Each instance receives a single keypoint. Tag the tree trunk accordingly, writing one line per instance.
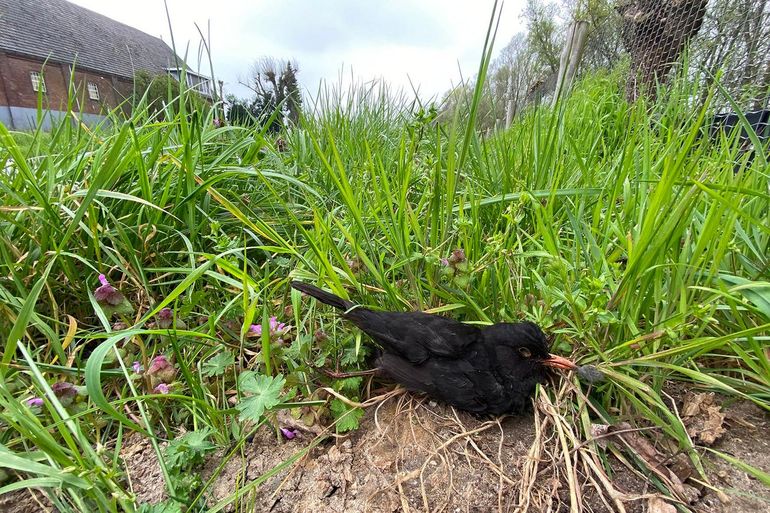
(509, 105)
(654, 33)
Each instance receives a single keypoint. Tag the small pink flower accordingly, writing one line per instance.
(108, 294)
(159, 363)
(35, 402)
(458, 256)
(289, 433)
(162, 388)
(166, 320)
(277, 330)
(64, 389)
(65, 392)
(138, 367)
(165, 314)
(161, 370)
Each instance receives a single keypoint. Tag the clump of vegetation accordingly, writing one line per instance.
(154, 90)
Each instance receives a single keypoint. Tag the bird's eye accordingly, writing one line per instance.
(526, 353)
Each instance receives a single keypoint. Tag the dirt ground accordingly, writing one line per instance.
(413, 455)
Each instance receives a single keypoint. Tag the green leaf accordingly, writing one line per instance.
(26, 484)
(167, 506)
(264, 393)
(758, 474)
(22, 463)
(124, 197)
(189, 449)
(122, 308)
(540, 194)
(347, 418)
(757, 292)
(27, 310)
(348, 385)
(217, 364)
(93, 377)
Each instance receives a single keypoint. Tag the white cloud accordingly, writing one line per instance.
(428, 41)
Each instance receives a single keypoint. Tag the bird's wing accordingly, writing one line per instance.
(439, 379)
(416, 336)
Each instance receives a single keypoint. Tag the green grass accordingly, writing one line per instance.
(618, 228)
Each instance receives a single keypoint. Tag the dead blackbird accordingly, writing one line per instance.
(490, 370)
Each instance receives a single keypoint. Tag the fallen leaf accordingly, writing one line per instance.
(682, 466)
(702, 417)
(658, 505)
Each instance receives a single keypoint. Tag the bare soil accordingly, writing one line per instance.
(411, 455)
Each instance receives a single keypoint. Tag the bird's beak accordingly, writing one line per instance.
(559, 362)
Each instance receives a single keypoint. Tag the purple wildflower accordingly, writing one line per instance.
(162, 388)
(63, 389)
(217, 123)
(161, 370)
(138, 367)
(289, 433)
(457, 257)
(158, 363)
(277, 330)
(165, 317)
(65, 392)
(255, 330)
(108, 294)
(277, 327)
(166, 320)
(455, 266)
(35, 402)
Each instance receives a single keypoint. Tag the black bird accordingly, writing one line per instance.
(490, 370)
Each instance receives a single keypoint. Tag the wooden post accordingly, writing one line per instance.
(509, 101)
(570, 58)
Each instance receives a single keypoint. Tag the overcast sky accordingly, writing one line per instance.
(427, 41)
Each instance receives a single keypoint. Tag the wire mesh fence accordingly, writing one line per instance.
(724, 40)
(735, 39)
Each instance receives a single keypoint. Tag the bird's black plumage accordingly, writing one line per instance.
(490, 370)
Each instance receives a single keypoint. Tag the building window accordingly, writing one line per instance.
(205, 87)
(93, 91)
(38, 83)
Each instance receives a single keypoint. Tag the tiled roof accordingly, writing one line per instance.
(64, 32)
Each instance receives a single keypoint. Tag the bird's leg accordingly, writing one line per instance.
(343, 375)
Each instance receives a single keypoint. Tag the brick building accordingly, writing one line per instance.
(65, 54)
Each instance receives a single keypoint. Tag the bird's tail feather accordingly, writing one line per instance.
(322, 295)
